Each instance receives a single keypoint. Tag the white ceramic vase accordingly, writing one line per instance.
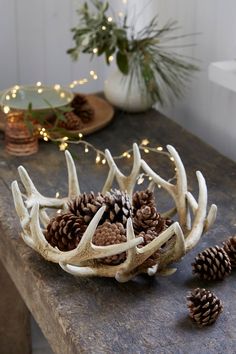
(125, 94)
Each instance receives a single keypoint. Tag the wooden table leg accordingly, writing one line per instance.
(14, 318)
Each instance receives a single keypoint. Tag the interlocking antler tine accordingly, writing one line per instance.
(200, 215)
(21, 210)
(211, 217)
(181, 185)
(35, 196)
(126, 183)
(73, 183)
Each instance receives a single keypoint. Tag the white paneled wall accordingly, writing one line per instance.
(207, 109)
(34, 37)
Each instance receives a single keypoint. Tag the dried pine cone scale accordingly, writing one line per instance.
(110, 234)
(65, 231)
(143, 198)
(204, 306)
(230, 248)
(212, 264)
(82, 108)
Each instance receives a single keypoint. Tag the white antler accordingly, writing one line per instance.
(86, 258)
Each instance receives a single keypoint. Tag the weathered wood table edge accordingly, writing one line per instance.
(47, 291)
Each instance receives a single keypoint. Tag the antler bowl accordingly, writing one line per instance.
(180, 237)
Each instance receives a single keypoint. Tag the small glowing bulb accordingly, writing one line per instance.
(13, 95)
(40, 90)
(81, 82)
(125, 154)
(43, 129)
(128, 156)
(159, 186)
(146, 150)
(17, 87)
(45, 138)
(109, 19)
(95, 50)
(159, 148)
(13, 91)
(59, 211)
(124, 1)
(57, 195)
(39, 83)
(62, 94)
(72, 85)
(120, 14)
(65, 138)
(110, 58)
(92, 72)
(140, 180)
(104, 28)
(6, 109)
(95, 77)
(145, 142)
(80, 135)
(172, 159)
(63, 146)
(8, 97)
(85, 81)
(104, 161)
(150, 178)
(98, 158)
(86, 149)
(75, 82)
(57, 87)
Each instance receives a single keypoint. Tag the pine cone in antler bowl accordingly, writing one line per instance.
(115, 233)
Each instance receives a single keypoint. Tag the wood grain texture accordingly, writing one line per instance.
(146, 315)
(14, 319)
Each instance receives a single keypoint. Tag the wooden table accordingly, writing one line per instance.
(146, 315)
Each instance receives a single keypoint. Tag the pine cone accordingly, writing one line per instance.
(118, 207)
(110, 234)
(204, 306)
(82, 108)
(72, 122)
(212, 264)
(149, 236)
(143, 198)
(230, 249)
(147, 218)
(65, 231)
(86, 205)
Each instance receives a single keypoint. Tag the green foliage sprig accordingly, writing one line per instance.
(147, 54)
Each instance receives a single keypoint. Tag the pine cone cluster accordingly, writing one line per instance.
(204, 306)
(82, 108)
(65, 231)
(212, 264)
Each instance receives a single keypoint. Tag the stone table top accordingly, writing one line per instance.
(101, 316)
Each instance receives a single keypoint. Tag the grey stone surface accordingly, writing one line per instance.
(146, 315)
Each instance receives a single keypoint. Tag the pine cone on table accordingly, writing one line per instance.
(230, 248)
(147, 218)
(143, 198)
(118, 207)
(71, 122)
(204, 306)
(86, 205)
(65, 231)
(212, 264)
(110, 234)
(82, 108)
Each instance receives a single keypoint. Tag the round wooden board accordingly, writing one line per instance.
(103, 115)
